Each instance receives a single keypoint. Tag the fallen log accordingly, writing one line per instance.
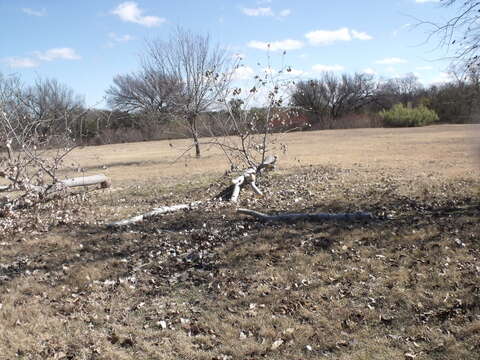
(154, 212)
(100, 179)
(87, 181)
(45, 193)
(292, 217)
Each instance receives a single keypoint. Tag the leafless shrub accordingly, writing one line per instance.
(35, 131)
(249, 121)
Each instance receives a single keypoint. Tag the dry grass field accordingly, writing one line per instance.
(448, 149)
(213, 284)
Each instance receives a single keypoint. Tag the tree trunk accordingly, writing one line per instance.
(192, 121)
(197, 144)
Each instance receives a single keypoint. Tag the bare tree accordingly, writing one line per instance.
(52, 105)
(403, 90)
(201, 69)
(331, 97)
(460, 32)
(35, 137)
(147, 91)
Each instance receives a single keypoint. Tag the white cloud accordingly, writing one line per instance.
(57, 53)
(243, 73)
(49, 55)
(424, 67)
(391, 61)
(20, 62)
(120, 38)
(323, 68)
(261, 11)
(442, 78)
(369, 71)
(115, 38)
(361, 35)
(327, 37)
(265, 11)
(33, 12)
(130, 12)
(287, 44)
(295, 72)
(425, 1)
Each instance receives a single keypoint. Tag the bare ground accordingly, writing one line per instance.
(211, 284)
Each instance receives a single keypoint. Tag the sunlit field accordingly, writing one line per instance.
(210, 283)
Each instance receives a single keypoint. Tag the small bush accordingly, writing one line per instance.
(400, 115)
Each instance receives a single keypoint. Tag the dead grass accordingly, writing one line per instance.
(453, 149)
(215, 285)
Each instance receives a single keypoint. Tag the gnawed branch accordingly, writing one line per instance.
(248, 177)
(154, 212)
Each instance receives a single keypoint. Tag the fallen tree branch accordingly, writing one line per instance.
(292, 217)
(86, 181)
(154, 212)
(40, 194)
(249, 177)
(231, 193)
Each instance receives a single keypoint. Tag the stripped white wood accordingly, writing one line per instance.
(236, 189)
(85, 180)
(255, 188)
(154, 212)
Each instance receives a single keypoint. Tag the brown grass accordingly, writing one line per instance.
(212, 284)
(449, 148)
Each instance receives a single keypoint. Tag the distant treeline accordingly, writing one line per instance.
(330, 101)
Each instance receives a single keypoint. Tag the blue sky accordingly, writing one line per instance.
(86, 43)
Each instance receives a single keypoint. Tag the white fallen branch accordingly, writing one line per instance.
(249, 177)
(255, 188)
(292, 217)
(87, 181)
(39, 194)
(100, 179)
(154, 212)
(237, 183)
